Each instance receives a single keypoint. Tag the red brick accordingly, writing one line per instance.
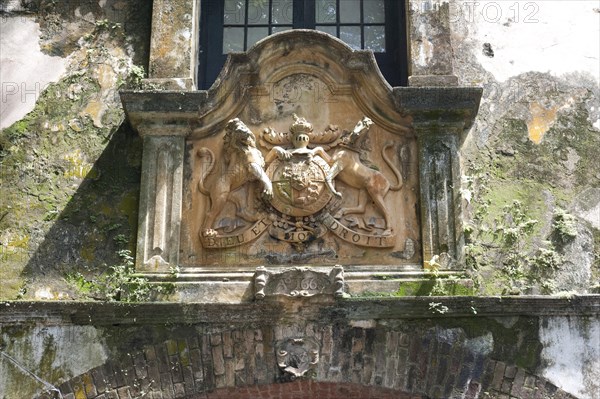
(124, 393)
(99, 380)
(510, 371)
(112, 395)
(179, 390)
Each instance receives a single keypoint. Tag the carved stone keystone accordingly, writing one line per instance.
(297, 356)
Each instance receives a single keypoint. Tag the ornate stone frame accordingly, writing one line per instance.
(438, 113)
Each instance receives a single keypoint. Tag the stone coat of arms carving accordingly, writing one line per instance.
(286, 186)
(233, 182)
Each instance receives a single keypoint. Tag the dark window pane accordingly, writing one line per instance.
(235, 12)
(325, 11)
(375, 38)
(255, 34)
(351, 35)
(332, 30)
(277, 29)
(350, 11)
(373, 12)
(235, 25)
(283, 12)
(233, 40)
(258, 12)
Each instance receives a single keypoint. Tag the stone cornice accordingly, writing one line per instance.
(388, 309)
(451, 108)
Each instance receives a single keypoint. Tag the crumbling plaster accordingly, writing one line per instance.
(538, 63)
(571, 354)
(56, 352)
(26, 70)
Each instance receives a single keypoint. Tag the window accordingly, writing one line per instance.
(236, 25)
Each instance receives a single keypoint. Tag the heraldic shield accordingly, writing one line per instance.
(299, 185)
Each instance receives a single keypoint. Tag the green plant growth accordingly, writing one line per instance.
(444, 285)
(119, 284)
(501, 242)
(135, 77)
(512, 228)
(501, 251)
(564, 225)
(434, 283)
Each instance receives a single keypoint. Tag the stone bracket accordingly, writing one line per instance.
(298, 282)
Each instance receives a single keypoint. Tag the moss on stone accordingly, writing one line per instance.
(541, 176)
(59, 166)
(425, 287)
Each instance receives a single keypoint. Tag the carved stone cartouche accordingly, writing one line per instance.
(298, 282)
(297, 356)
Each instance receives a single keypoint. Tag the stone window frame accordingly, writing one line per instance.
(175, 42)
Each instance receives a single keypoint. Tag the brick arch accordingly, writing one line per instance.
(425, 364)
(307, 389)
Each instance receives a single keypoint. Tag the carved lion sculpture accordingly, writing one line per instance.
(349, 169)
(241, 163)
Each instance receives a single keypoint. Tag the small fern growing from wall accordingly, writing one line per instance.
(119, 283)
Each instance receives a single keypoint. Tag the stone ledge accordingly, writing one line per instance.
(103, 313)
(186, 84)
(245, 274)
(432, 80)
(205, 285)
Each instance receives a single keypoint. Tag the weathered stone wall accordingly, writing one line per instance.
(70, 172)
(70, 167)
(458, 348)
(533, 141)
(69, 164)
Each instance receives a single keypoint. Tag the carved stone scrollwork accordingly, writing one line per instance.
(298, 282)
(297, 356)
(260, 282)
